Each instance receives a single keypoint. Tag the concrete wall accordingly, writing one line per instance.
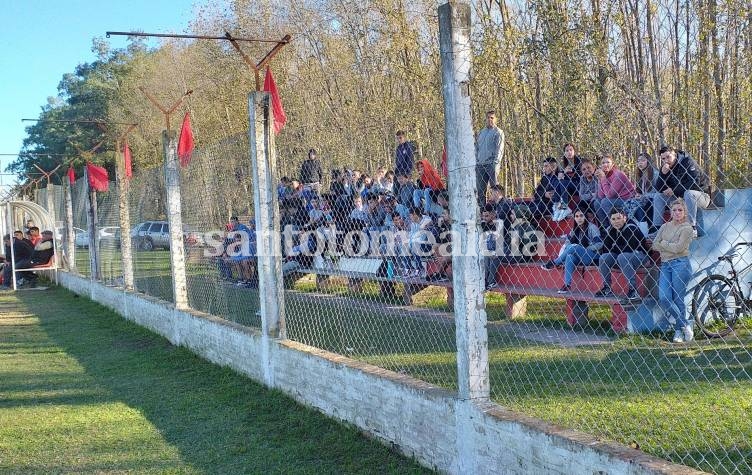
(420, 420)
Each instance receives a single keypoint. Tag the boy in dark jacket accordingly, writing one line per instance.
(623, 248)
(680, 177)
(310, 171)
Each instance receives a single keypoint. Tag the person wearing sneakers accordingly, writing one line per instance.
(580, 249)
(672, 241)
(623, 248)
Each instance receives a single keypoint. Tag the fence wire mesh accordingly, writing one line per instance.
(366, 267)
(216, 187)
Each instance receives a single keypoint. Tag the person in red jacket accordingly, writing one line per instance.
(428, 181)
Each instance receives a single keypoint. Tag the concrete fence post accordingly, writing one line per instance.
(50, 198)
(175, 219)
(70, 234)
(92, 224)
(123, 187)
(467, 261)
(268, 236)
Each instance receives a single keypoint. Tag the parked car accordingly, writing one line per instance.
(150, 235)
(109, 236)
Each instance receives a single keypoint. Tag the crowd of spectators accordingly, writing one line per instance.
(30, 249)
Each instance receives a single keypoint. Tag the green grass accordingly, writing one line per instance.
(689, 404)
(82, 390)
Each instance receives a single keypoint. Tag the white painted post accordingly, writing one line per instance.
(50, 195)
(70, 234)
(175, 219)
(467, 262)
(123, 186)
(92, 225)
(268, 236)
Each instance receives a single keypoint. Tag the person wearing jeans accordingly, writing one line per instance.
(581, 248)
(672, 241)
(614, 189)
(489, 148)
(622, 247)
(680, 177)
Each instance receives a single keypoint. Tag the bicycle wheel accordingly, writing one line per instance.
(716, 306)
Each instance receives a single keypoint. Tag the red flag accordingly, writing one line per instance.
(127, 160)
(71, 175)
(98, 179)
(185, 142)
(279, 112)
(444, 166)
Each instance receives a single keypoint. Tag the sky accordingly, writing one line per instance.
(40, 40)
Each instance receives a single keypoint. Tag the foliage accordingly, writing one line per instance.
(600, 73)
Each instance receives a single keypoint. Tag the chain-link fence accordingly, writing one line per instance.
(585, 327)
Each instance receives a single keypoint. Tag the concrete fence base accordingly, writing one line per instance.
(420, 420)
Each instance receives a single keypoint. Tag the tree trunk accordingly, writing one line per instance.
(654, 71)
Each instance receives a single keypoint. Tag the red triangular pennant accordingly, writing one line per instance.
(98, 179)
(185, 142)
(71, 175)
(127, 160)
(279, 112)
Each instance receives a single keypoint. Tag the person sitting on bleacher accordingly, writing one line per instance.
(520, 244)
(680, 177)
(502, 205)
(442, 250)
(545, 193)
(623, 247)
(419, 228)
(572, 160)
(588, 188)
(614, 189)
(580, 249)
(41, 255)
(428, 183)
(646, 178)
(405, 194)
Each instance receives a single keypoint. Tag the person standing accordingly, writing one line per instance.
(310, 172)
(489, 148)
(404, 157)
(672, 241)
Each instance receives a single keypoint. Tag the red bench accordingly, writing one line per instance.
(516, 282)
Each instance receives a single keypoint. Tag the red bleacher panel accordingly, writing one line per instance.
(557, 229)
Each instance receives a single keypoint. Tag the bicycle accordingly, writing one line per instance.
(718, 302)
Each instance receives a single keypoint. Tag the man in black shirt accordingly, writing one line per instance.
(310, 172)
(623, 248)
(680, 177)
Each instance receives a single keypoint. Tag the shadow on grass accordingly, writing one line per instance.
(219, 421)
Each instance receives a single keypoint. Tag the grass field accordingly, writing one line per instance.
(690, 404)
(84, 391)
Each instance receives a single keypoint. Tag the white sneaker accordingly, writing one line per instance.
(689, 334)
(679, 336)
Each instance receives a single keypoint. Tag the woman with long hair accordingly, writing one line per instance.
(581, 248)
(645, 178)
(672, 241)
